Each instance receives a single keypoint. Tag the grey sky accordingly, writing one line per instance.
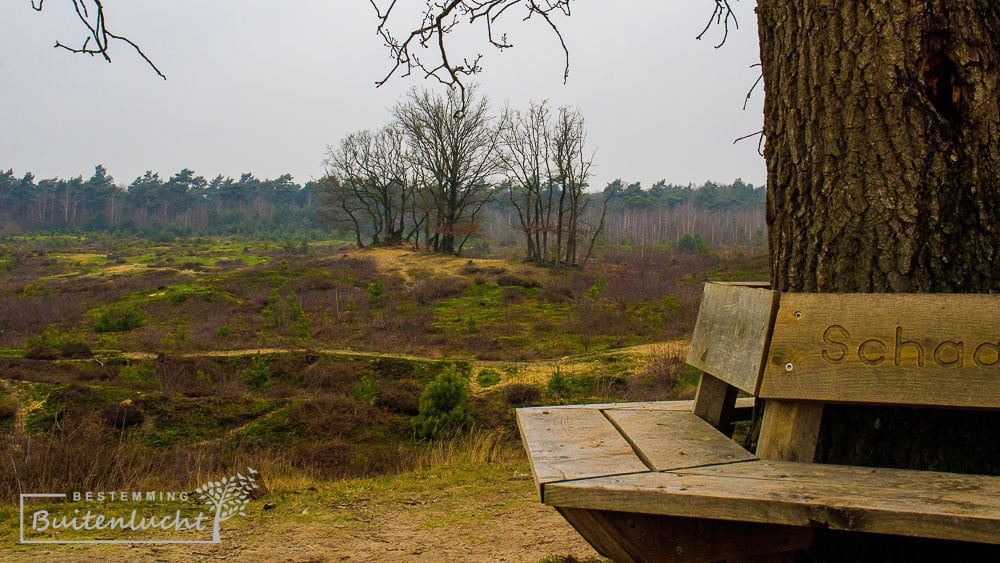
(266, 86)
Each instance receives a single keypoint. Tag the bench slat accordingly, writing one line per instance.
(889, 501)
(898, 349)
(730, 337)
(565, 444)
(681, 405)
(673, 439)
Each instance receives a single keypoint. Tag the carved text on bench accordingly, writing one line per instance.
(841, 346)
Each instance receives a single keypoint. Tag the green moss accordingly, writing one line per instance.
(46, 403)
(187, 420)
(276, 427)
(488, 378)
(515, 315)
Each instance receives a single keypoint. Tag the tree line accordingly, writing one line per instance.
(280, 208)
(443, 171)
(710, 215)
(184, 203)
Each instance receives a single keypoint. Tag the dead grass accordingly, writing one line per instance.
(179, 406)
(457, 511)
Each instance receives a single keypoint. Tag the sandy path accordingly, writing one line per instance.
(461, 514)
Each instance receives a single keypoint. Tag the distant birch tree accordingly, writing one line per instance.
(544, 157)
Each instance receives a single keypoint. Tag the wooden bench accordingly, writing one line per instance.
(664, 481)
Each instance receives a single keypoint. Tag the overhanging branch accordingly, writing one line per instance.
(98, 38)
(425, 48)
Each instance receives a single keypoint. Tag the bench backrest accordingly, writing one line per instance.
(891, 349)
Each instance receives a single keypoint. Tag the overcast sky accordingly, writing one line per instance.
(264, 87)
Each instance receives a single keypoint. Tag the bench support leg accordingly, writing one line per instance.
(789, 431)
(715, 403)
(625, 537)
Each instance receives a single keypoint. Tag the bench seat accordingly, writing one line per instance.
(660, 459)
(664, 482)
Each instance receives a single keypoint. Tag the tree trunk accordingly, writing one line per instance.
(882, 123)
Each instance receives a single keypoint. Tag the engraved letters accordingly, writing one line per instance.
(903, 349)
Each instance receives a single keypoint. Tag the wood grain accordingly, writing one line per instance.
(627, 537)
(790, 431)
(683, 405)
(599, 533)
(671, 440)
(901, 349)
(885, 501)
(564, 444)
(732, 332)
(715, 403)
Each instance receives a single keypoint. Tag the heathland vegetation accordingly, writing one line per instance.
(382, 320)
(140, 364)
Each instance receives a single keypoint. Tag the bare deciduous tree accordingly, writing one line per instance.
(455, 143)
(339, 208)
(547, 169)
(375, 178)
(527, 164)
(572, 167)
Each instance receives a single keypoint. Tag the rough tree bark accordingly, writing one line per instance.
(883, 172)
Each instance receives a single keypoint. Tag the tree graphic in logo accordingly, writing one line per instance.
(228, 497)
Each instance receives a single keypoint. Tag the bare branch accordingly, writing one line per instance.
(439, 19)
(721, 15)
(99, 37)
(760, 78)
(760, 141)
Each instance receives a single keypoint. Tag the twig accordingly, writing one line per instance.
(721, 15)
(760, 78)
(97, 31)
(760, 142)
(439, 19)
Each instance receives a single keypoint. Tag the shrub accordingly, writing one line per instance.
(123, 414)
(142, 374)
(514, 280)
(76, 350)
(522, 394)
(377, 295)
(691, 244)
(512, 296)
(438, 287)
(558, 386)
(8, 408)
(442, 406)
(40, 352)
(165, 236)
(118, 320)
(366, 391)
(286, 316)
(258, 375)
(488, 378)
(401, 397)
(50, 337)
